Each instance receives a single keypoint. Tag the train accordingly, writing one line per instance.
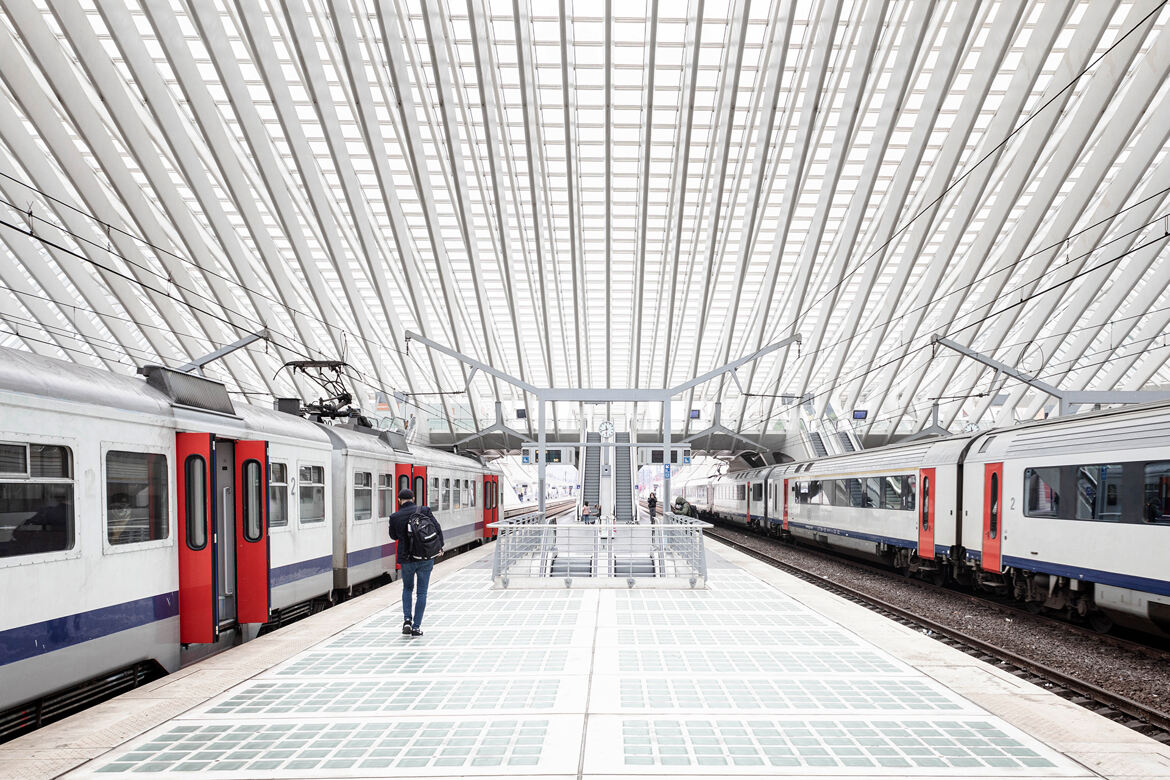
(148, 522)
(1068, 514)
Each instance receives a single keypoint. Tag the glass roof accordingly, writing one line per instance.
(585, 194)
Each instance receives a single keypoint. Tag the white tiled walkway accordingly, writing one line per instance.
(740, 679)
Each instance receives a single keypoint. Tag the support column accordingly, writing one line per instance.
(666, 468)
(542, 451)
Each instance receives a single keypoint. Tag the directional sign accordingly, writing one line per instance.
(525, 459)
(666, 471)
(686, 459)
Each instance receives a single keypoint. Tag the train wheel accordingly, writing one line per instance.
(1100, 622)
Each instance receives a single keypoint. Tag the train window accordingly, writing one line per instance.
(872, 496)
(253, 497)
(404, 483)
(195, 500)
(363, 495)
(445, 504)
(925, 503)
(420, 489)
(474, 489)
(433, 502)
(1042, 492)
(909, 492)
(457, 494)
(36, 499)
(758, 491)
(386, 494)
(893, 492)
(277, 495)
(993, 509)
(136, 497)
(1156, 503)
(856, 490)
(1098, 493)
(312, 490)
(14, 460)
(741, 492)
(816, 492)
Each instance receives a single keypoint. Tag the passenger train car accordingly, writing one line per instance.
(152, 522)
(1072, 514)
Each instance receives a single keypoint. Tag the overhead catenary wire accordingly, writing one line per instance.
(978, 163)
(838, 382)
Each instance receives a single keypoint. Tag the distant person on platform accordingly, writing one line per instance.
(416, 555)
(652, 502)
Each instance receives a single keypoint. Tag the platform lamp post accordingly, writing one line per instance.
(546, 395)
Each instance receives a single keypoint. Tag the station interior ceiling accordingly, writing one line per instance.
(597, 195)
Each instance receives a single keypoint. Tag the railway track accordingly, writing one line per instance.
(1135, 715)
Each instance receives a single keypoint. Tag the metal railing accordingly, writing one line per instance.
(531, 552)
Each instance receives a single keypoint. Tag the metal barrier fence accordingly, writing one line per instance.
(531, 552)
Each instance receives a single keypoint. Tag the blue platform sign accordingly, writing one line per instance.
(666, 471)
(686, 460)
(524, 459)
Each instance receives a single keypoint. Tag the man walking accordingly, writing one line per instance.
(652, 503)
(414, 539)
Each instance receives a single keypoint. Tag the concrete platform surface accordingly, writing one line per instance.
(761, 675)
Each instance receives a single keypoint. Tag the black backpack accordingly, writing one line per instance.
(422, 536)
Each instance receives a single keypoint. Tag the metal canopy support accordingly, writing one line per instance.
(498, 425)
(546, 395)
(718, 427)
(197, 364)
(1066, 400)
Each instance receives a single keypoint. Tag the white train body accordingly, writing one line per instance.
(111, 555)
(1071, 513)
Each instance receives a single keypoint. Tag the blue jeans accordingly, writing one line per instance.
(411, 569)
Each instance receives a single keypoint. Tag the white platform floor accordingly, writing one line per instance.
(760, 675)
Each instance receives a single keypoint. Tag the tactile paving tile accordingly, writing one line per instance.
(850, 695)
(387, 697)
(973, 746)
(330, 747)
(756, 661)
(518, 619)
(703, 601)
(409, 661)
(455, 637)
(740, 637)
(723, 620)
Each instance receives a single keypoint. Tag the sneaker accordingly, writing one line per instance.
(406, 627)
(416, 632)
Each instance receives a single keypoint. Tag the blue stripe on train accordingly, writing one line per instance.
(1130, 581)
(375, 553)
(283, 575)
(892, 540)
(17, 644)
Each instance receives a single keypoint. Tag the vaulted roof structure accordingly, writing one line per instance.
(596, 194)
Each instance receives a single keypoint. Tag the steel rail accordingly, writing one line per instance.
(1150, 722)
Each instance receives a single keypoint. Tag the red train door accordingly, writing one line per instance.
(418, 476)
(992, 516)
(489, 511)
(926, 513)
(784, 521)
(402, 482)
(252, 587)
(747, 507)
(198, 622)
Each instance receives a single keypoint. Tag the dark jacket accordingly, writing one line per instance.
(398, 526)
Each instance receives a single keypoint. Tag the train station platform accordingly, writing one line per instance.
(757, 675)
